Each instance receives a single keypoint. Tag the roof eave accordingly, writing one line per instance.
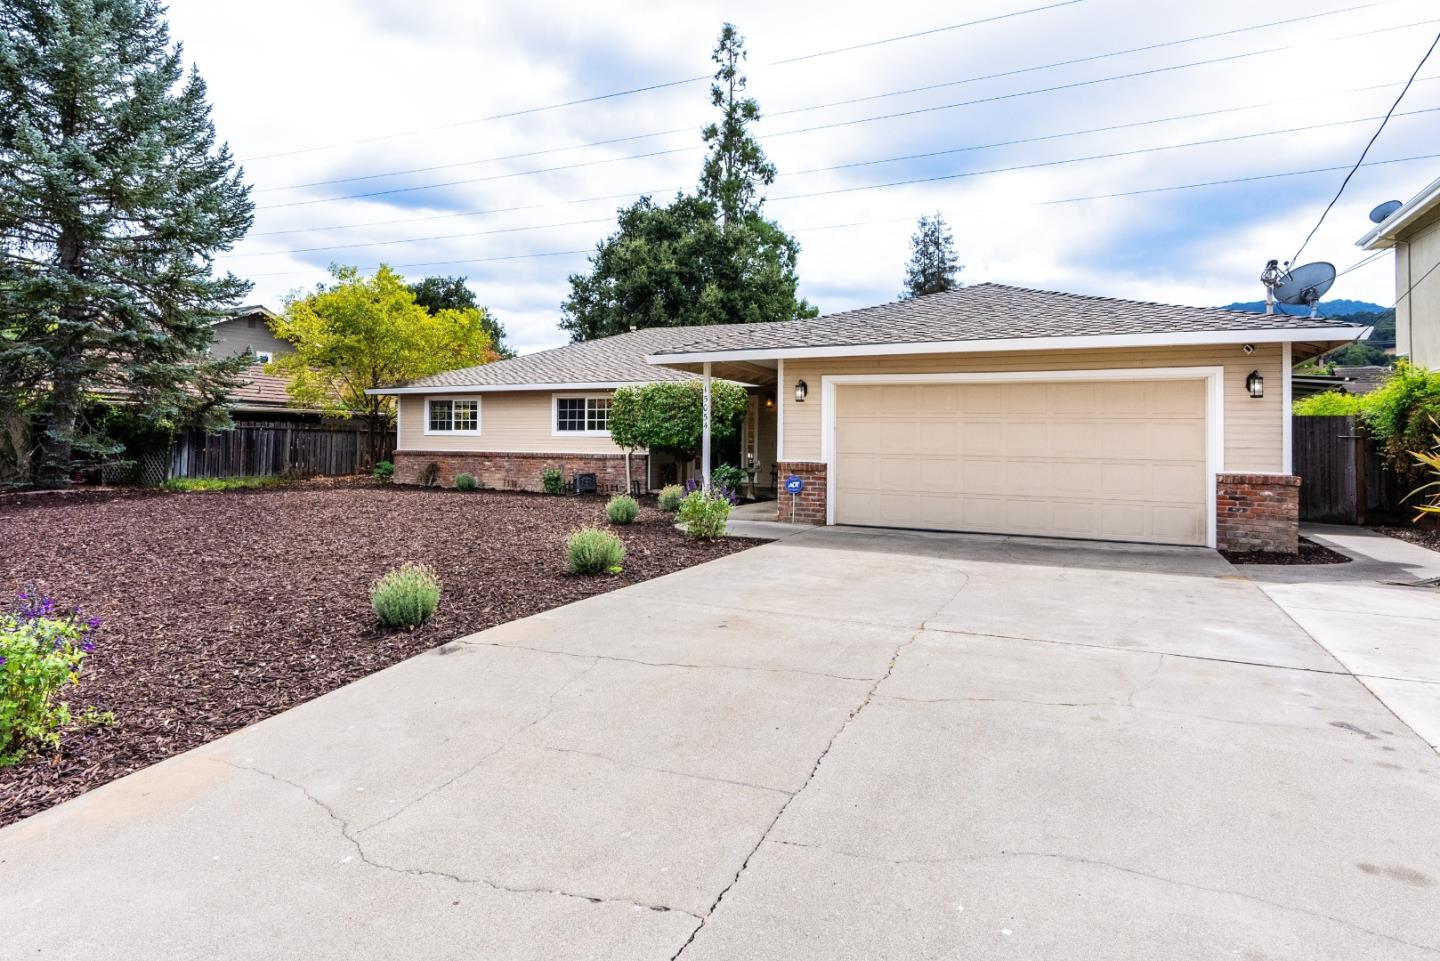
(1385, 234)
(1338, 334)
(493, 388)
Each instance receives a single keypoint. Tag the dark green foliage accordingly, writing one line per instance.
(933, 266)
(669, 416)
(114, 197)
(552, 480)
(676, 266)
(732, 476)
(384, 470)
(708, 258)
(452, 293)
(465, 482)
(1360, 354)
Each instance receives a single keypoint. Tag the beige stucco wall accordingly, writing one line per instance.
(518, 422)
(1253, 428)
(1417, 316)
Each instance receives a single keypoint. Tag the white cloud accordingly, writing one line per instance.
(286, 77)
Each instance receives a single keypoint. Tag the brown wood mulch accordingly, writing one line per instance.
(1310, 553)
(224, 608)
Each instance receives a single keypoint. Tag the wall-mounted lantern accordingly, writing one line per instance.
(1255, 384)
(769, 401)
(800, 391)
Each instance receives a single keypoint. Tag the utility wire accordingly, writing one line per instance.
(1351, 173)
(860, 223)
(651, 87)
(418, 188)
(823, 193)
(1141, 123)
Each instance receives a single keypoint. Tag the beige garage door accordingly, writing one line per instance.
(1113, 460)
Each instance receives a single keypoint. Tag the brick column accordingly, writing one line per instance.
(1257, 512)
(809, 503)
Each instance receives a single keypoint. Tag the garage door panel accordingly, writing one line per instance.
(1109, 460)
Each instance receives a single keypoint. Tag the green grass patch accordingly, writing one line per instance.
(187, 484)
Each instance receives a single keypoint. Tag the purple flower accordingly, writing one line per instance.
(88, 646)
(3, 660)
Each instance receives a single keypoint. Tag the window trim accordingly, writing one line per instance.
(452, 433)
(555, 399)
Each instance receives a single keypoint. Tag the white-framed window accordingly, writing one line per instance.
(452, 415)
(580, 414)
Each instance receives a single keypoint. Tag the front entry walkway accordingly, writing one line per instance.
(843, 745)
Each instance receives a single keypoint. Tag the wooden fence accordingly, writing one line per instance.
(1344, 479)
(257, 449)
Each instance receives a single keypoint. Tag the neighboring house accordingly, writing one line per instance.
(507, 421)
(1414, 233)
(990, 408)
(249, 327)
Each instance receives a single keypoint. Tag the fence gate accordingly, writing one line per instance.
(1344, 479)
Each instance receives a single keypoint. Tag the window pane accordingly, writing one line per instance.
(440, 415)
(467, 415)
(570, 414)
(597, 413)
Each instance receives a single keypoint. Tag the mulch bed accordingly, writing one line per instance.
(224, 608)
(1428, 536)
(1310, 553)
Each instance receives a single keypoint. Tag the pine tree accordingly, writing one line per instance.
(114, 198)
(736, 167)
(933, 266)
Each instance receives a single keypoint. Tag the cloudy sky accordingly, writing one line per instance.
(375, 130)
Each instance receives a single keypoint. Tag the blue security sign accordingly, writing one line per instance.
(793, 484)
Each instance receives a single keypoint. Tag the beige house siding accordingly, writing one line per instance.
(233, 336)
(1254, 429)
(1417, 316)
(510, 421)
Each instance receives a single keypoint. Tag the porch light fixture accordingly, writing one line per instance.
(800, 391)
(769, 401)
(1255, 384)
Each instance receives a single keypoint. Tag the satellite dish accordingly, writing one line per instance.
(1382, 213)
(1305, 284)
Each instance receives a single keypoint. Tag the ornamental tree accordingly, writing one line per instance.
(114, 200)
(933, 267)
(362, 333)
(670, 416)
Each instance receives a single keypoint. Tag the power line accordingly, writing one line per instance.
(1410, 288)
(794, 110)
(822, 193)
(1346, 182)
(860, 223)
(418, 188)
(509, 114)
(497, 210)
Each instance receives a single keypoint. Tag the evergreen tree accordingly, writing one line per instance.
(933, 266)
(114, 198)
(707, 258)
(452, 293)
(736, 167)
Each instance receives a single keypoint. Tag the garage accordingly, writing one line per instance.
(1111, 459)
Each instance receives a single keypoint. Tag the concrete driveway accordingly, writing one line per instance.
(844, 745)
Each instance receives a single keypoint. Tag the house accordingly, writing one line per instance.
(990, 408)
(507, 421)
(248, 328)
(1413, 232)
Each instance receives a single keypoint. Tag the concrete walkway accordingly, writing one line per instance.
(1387, 634)
(842, 745)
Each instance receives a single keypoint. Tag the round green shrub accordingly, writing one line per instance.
(465, 482)
(670, 497)
(552, 480)
(622, 509)
(406, 596)
(704, 516)
(591, 550)
(384, 470)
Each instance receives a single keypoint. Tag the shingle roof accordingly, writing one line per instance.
(618, 359)
(985, 312)
(979, 313)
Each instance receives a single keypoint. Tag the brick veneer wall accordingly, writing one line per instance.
(500, 470)
(810, 502)
(1257, 512)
